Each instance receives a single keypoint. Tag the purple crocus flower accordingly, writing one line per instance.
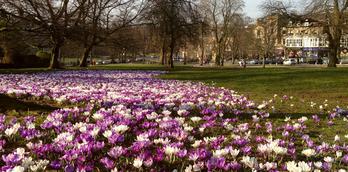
(345, 159)
(55, 164)
(235, 166)
(108, 163)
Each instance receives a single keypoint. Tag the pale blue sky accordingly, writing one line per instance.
(252, 7)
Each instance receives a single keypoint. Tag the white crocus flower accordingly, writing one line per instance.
(98, 116)
(189, 169)
(137, 162)
(297, 126)
(83, 129)
(143, 137)
(20, 152)
(279, 150)
(291, 166)
(107, 133)
(26, 162)
(337, 138)
(196, 119)
(171, 150)
(18, 169)
(188, 128)
(261, 106)
(308, 152)
(249, 161)
(13, 130)
(270, 165)
(328, 159)
(234, 152)
(166, 113)
(196, 143)
(120, 128)
(181, 112)
(95, 131)
(152, 116)
(318, 164)
(304, 166)
(303, 119)
(197, 167)
(339, 154)
(262, 148)
(220, 153)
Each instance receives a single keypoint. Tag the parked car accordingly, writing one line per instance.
(344, 61)
(107, 61)
(254, 61)
(99, 62)
(315, 61)
(279, 61)
(290, 61)
(326, 60)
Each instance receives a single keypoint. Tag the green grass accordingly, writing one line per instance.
(305, 85)
(17, 108)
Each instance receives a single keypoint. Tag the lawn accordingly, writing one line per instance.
(305, 85)
(93, 100)
(306, 88)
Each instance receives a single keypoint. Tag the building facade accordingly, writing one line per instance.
(303, 39)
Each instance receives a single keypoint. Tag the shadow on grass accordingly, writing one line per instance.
(8, 103)
(278, 116)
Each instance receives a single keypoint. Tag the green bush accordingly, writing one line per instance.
(43, 54)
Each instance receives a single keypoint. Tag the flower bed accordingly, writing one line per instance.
(129, 121)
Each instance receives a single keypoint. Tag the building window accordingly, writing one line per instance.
(344, 41)
(314, 42)
(294, 42)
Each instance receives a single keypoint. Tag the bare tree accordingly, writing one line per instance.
(221, 13)
(52, 17)
(267, 35)
(204, 33)
(176, 21)
(13, 41)
(102, 18)
(329, 13)
(7, 40)
(238, 44)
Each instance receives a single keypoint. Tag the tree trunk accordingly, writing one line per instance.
(218, 56)
(9, 55)
(202, 57)
(234, 58)
(86, 51)
(55, 57)
(332, 57)
(217, 59)
(172, 48)
(171, 63)
(163, 58)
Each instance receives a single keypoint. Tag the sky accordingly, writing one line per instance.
(252, 7)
